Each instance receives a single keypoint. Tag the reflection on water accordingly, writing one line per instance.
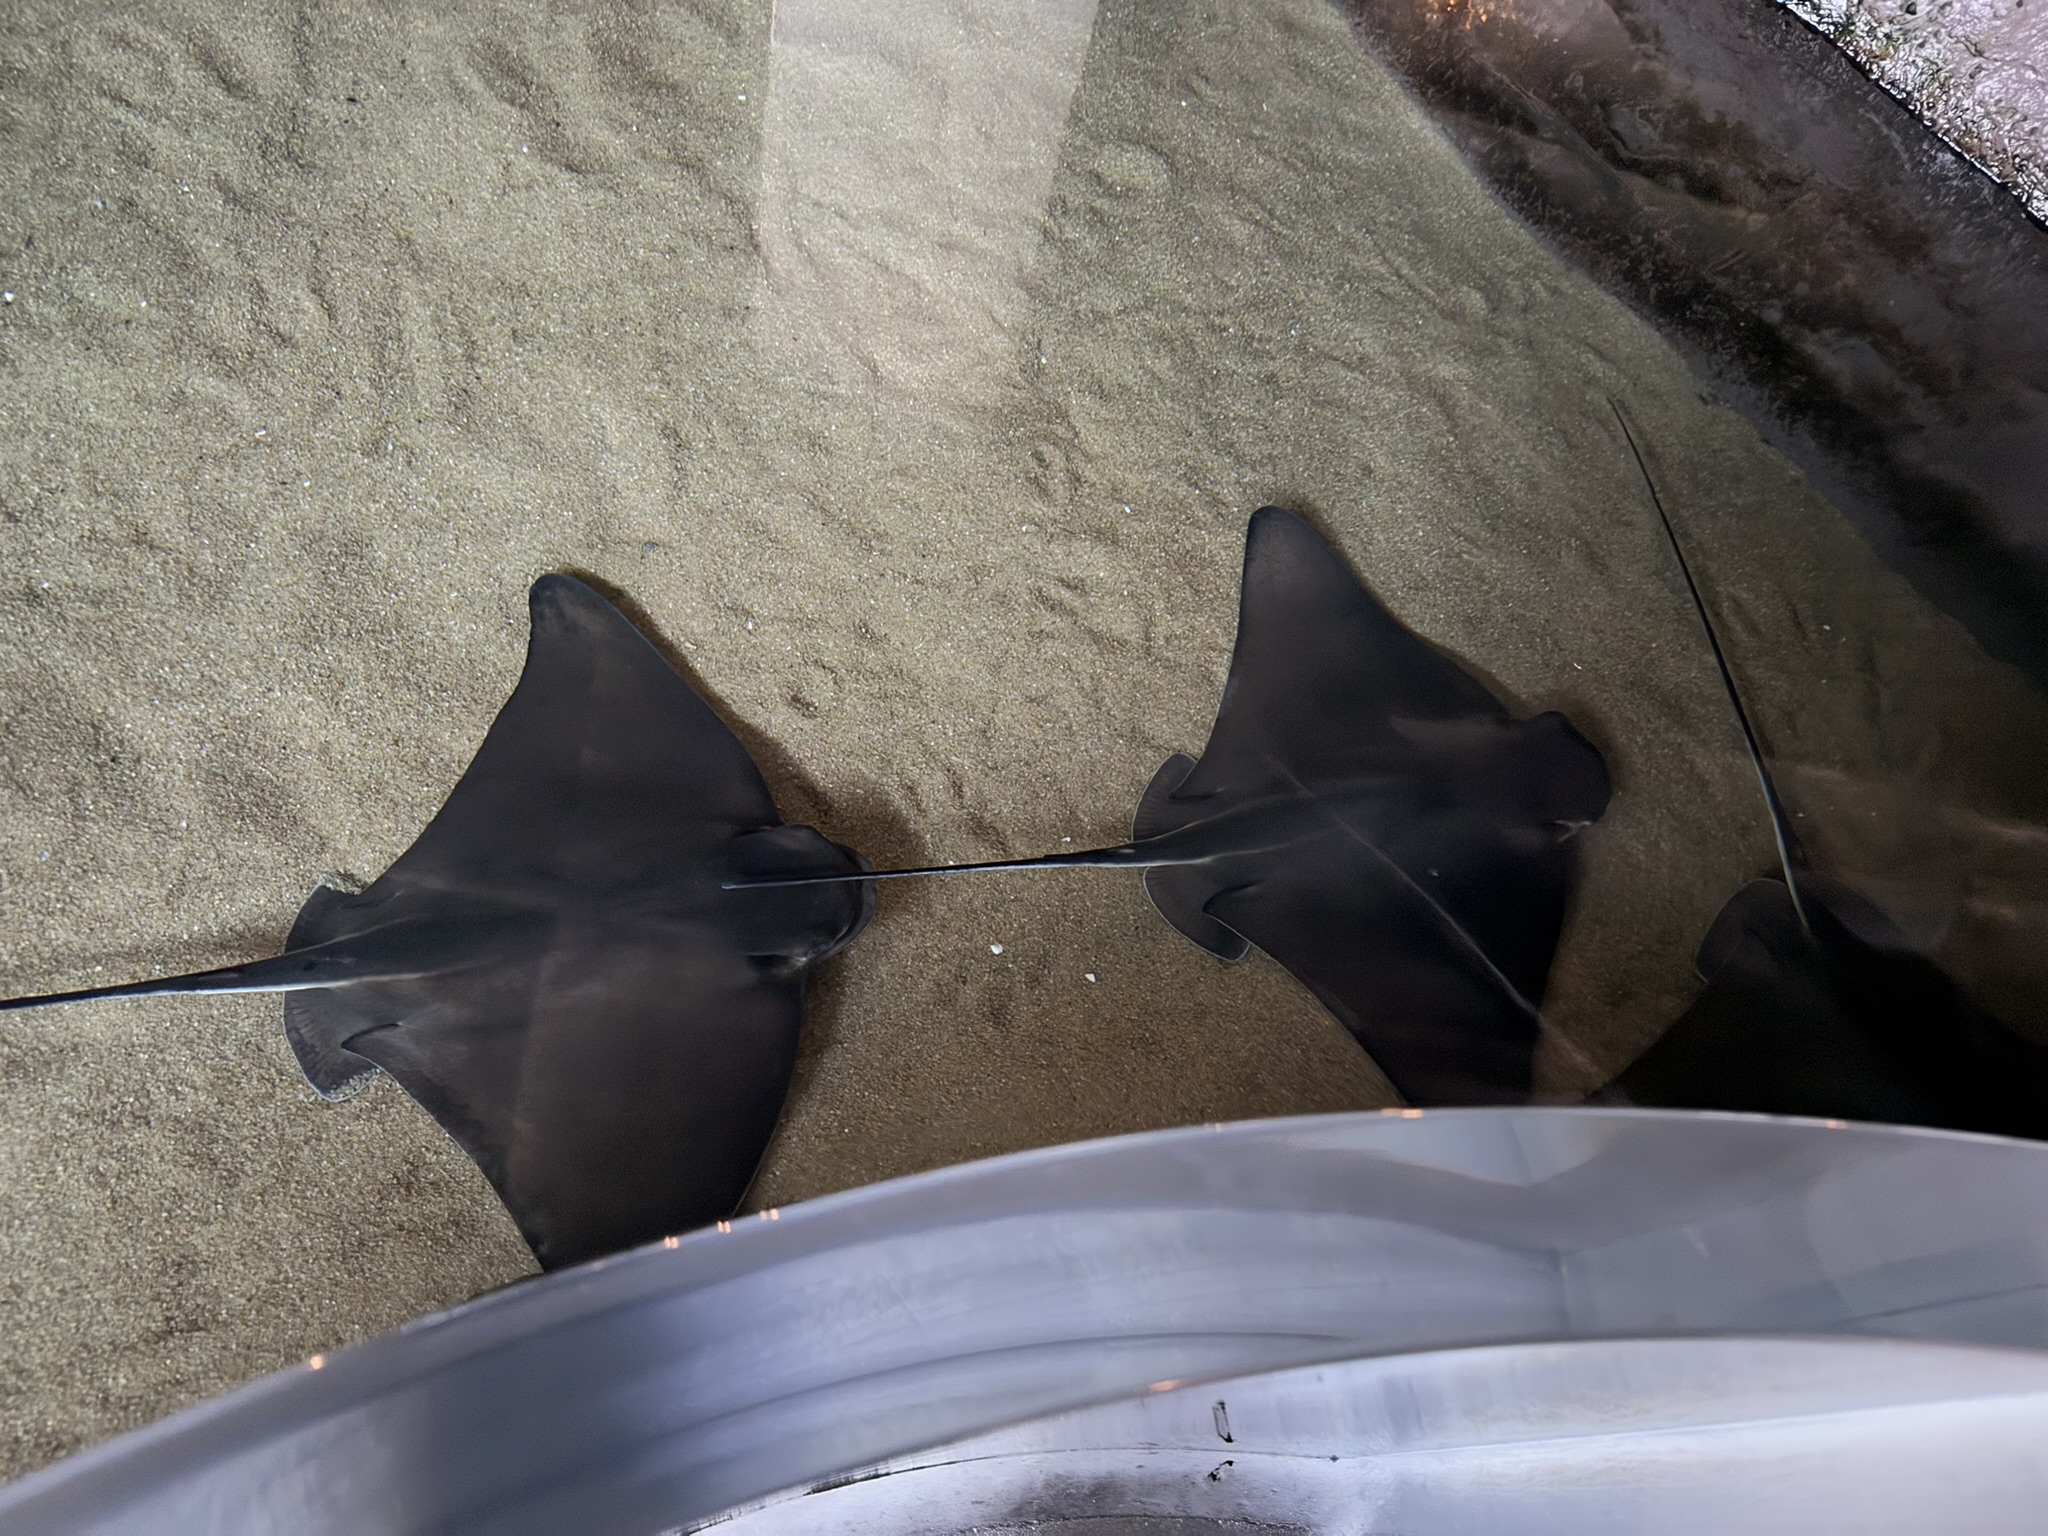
(1878, 304)
(907, 147)
(913, 368)
(1874, 304)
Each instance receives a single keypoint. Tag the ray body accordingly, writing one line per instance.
(1836, 1016)
(1369, 814)
(557, 970)
(1421, 886)
(1815, 1004)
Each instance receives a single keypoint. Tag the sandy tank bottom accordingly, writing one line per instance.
(913, 381)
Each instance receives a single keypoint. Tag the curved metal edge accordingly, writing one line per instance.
(1556, 1204)
(1622, 1435)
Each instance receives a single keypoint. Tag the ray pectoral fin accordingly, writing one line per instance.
(455, 1045)
(604, 767)
(1181, 893)
(1321, 672)
(614, 1086)
(1770, 1034)
(316, 1023)
(1438, 1024)
(647, 1095)
(1750, 914)
(1156, 814)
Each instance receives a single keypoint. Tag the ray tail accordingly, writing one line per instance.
(1781, 829)
(259, 977)
(1124, 856)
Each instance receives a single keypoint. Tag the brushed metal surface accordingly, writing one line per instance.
(1667, 1435)
(660, 1387)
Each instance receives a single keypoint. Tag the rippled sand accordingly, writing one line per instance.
(914, 386)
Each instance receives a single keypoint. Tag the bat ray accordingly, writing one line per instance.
(558, 970)
(1816, 1004)
(1368, 814)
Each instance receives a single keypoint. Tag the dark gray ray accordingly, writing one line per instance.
(557, 970)
(1368, 814)
(1815, 1003)
(1420, 884)
(1836, 1017)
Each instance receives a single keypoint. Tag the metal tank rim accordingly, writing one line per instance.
(665, 1384)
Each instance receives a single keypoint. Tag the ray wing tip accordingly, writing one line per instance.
(1277, 533)
(556, 587)
(1275, 516)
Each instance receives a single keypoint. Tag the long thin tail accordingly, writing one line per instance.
(393, 952)
(1781, 827)
(1123, 856)
(233, 978)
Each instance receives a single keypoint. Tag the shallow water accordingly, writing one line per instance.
(1873, 303)
(913, 381)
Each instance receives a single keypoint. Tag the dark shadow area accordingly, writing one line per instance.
(1873, 303)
